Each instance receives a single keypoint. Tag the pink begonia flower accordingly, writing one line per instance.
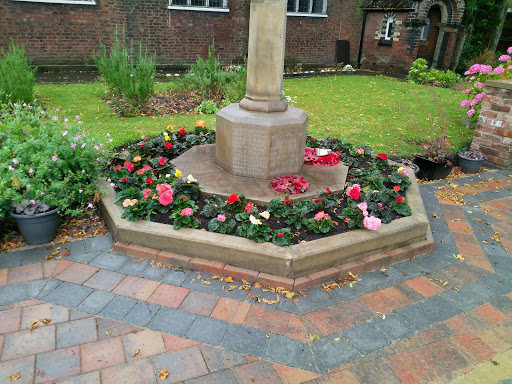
(499, 70)
(166, 198)
(187, 212)
(221, 218)
(505, 58)
(360, 151)
(248, 207)
(465, 104)
(363, 206)
(485, 69)
(354, 191)
(471, 112)
(164, 187)
(403, 171)
(479, 84)
(322, 215)
(372, 223)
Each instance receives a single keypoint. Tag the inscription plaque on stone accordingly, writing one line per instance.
(250, 158)
(283, 153)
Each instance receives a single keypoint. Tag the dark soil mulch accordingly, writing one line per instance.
(160, 104)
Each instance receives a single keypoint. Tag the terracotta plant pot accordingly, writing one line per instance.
(431, 170)
(39, 228)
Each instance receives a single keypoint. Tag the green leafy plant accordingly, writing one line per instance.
(321, 223)
(48, 159)
(297, 217)
(279, 208)
(123, 74)
(282, 236)
(420, 74)
(16, 76)
(254, 229)
(207, 107)
(213, 206)
(183, 213)
(221, 224)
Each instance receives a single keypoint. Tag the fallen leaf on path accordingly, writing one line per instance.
(205, 282)
(45, 320)
(229, 279)
(15, 377)
(255, 298)
(458, 256)
(137, 353)
(107, 333)
(382, 315)
(35, 324)
(163, 374)
(314, 336)
(137, 261)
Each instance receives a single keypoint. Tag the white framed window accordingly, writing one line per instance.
(425, 29)
(200, 5)
(81, 2)
(311, 8)
(389, 28)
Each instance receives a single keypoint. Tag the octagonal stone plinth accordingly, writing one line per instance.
(260, 145)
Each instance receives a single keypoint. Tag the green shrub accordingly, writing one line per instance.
(420, 74)
(209, 79)
(208, 107)
(134, 80)
(16, 76)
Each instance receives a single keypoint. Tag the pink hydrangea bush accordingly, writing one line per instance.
(477, 75)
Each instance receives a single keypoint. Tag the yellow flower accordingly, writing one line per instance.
(178, 173)
(169, 127)
(200, 123)
(166, 137)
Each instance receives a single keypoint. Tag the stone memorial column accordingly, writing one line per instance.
(262, 137)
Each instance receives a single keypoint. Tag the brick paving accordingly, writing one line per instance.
(436, 318)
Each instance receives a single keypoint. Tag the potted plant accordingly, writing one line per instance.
(471, 160)
(436, 160)
(46, 163)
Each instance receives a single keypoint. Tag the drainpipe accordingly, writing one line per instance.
(360, 53)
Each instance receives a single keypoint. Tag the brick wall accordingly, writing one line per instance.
(493, 132)
(68, 34)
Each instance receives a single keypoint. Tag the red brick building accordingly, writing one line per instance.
(67, 32)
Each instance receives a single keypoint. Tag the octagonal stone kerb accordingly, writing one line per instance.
(291, 262)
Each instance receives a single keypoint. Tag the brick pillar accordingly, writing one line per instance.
(493, 132)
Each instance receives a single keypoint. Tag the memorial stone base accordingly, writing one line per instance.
(260, 145)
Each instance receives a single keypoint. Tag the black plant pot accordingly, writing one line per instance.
(40, 228)
(431, 170)
(468, 165)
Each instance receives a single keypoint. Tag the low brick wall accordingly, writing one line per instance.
(493, 132)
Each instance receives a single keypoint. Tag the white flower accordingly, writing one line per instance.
(254, 220)
(168, 175)
(190, 179)
(265, 215)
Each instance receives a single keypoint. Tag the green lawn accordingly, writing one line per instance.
(385, 113)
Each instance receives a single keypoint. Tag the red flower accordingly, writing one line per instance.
(168, 145)
(117, 168)
(327, 191)
(161, 160)
(149, 180)
(141, 144)
(233, 197)
(182, 131)
(280, 234)
(146, 167)
(124, 179)
(396, 188)
(354, 191)
(382, 156)
(129, 166)
(287, 202)
(312, 139)
(317, 200)
(399, 199)
(141, 171)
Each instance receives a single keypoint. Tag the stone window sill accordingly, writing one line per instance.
(83, 2)
(303, 14)
(200, 9)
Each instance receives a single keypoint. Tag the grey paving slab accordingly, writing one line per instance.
(50, 285)
(141, 314)
(34, 255)
(284, 350)
(95, 302)
(330, 354)
(134, 269)
(215, 286)
(416, 316)
(172, 321)
(10, 259)
(207, 330)
(68, 295)
(441, 258)
(75, 247)
(152, 272)
(245, 340)
(392, 276)
(222, 377)
(109, 260)
(182, 365)
(308, 361)
(98, 243)
(503, 304)
(176, 277)
(393, 326)
(118, 308)
(20, 292)
(370, 281)
(366, 337)
(411, 268)
(500, 283)
(218, 359)
(375, 372)
(82, 257)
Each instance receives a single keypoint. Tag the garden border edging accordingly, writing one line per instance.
(298, 262)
